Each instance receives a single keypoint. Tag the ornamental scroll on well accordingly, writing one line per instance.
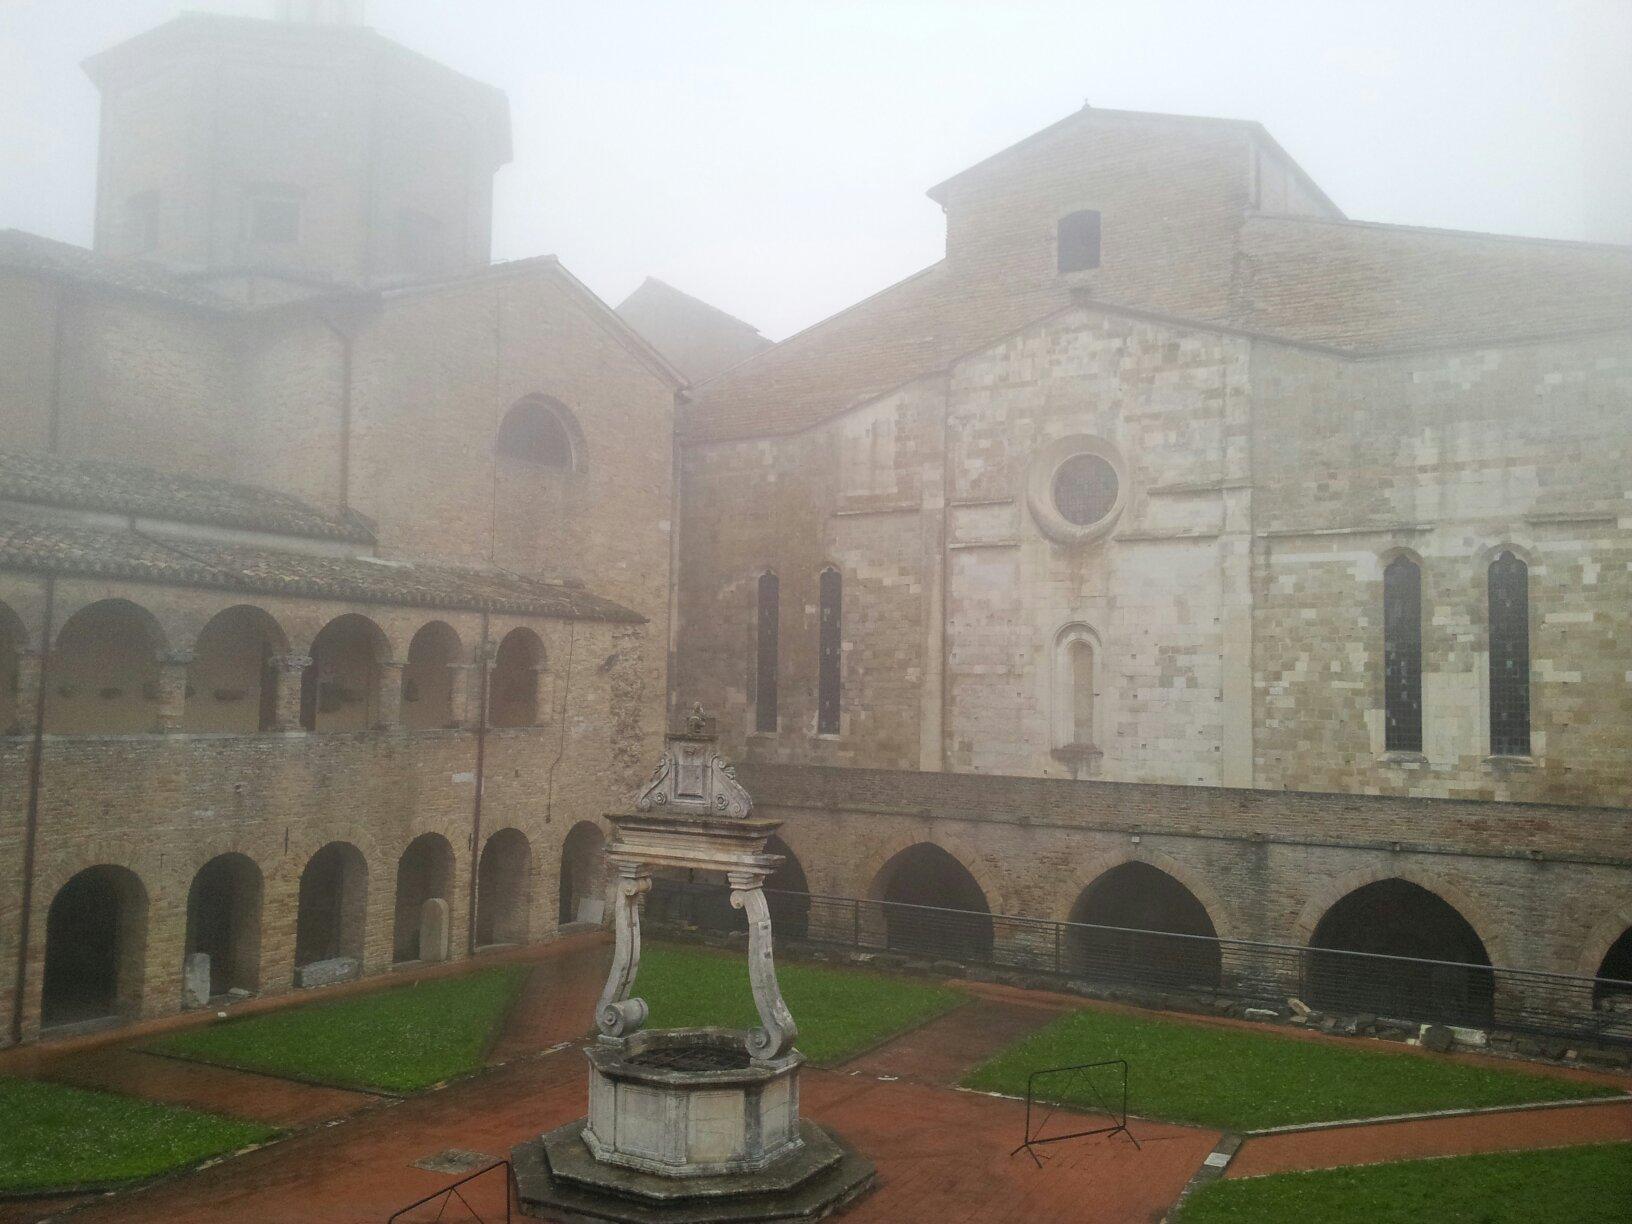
(693, 778)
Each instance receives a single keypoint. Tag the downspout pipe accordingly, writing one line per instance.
(345, 339)
(481, 779)
(31, 821)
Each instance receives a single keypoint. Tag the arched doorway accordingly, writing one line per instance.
(923, 876)
(1396, 918)
(424, 883)
(95, 944)
(1614, 985)
(787, 893)
(224, 922)
(504, 888)
(582, 896)
(1141, 899)
(332, 911)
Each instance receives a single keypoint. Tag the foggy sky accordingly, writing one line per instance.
(771, 157)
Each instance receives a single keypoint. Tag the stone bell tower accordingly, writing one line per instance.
(308, 149)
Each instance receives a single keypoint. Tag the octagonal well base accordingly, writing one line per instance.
(558, 1178)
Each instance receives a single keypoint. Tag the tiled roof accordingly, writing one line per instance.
(699, 340)
(32, 253)
(1350, 286)
(55, 546)
(117, 488)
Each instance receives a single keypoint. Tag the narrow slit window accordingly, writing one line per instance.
(829, 651)
(1509, 584)
(1077, 241)
(770, 601)
(1402, 656)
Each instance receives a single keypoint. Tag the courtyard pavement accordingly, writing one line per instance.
(943, 1155)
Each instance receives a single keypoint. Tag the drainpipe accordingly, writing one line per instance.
(32, 820)
(481, 779)
(344, 337)
(59, 334)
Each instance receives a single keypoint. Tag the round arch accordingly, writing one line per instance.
(582, 893)
(512, 699)
(1445, 975)
(421, 923)
(340, 688)
(1608, 957)
(427, 677)
(224, 922)
(933, 905)
(332, 912)
(104, 673)
(504, 889)
(1138, 923)
(95, 947)
(1491, 932)
(230, 687)
(541, 431)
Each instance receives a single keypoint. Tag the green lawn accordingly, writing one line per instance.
(57, 1137)
(840, 1012)
(1582, 1185)
(1238, 1080)
(399, 1040)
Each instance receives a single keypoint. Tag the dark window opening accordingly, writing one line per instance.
(1077, 241)
(1402, 656)
(829, 653)
(1509, 656)
(770, 597)
(1129, 926)
(923, 876)
(536, 434)
(1085, 489)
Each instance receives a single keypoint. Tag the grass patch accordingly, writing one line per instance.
(1238, 1080)
(1584, 1185)
(840, 1012)
(399, 1040)
(57, 1137)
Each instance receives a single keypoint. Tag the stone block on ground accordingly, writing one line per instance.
(195, 980)
(327, 972)
(433, 930)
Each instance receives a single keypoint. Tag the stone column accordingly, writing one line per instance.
(617, 1015)
(172, 691)
(389, 717)
(462, 693)
(29, 665)
(287, 671)
(777, 1031)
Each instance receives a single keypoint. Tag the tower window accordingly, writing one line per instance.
(1402, 656)
(829, 653)
(535, 431)
(770, 600)
(1077, 241)
(272, 216)
(1509, 583)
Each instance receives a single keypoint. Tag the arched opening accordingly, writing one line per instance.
(11, 651)
(582, 897)
(424, 885)
(1509, 599)
(1155, 914)
(224, 924)
(767, 633)
(787, 893)
(1396, 918)
(513, 690)
(504, 888)
(1613, 989)
(340, 689)
(332, 912)
(230, 685)
(95, 945)
(542, 432)
(830, 653)
(104, 676)
(1402, 656)
(922, 876)
(427, 678)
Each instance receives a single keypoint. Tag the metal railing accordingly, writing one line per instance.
(1181, 967)
(454, 1192)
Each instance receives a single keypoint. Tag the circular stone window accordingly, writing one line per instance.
(1075, 488)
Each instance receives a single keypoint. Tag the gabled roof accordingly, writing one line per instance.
(699, 339)
(56, 547)
(118, 488)
(27, 252)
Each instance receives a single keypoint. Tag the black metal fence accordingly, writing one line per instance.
(1197, 967)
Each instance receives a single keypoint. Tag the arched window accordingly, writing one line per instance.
(513, 689)
(1402, 656)
(539, 431)
(1509, 583)
(230, 687)
(770, 605)
(340, 690)
(427, 679)
(105, 671)
(829, 653)
(1077, 241)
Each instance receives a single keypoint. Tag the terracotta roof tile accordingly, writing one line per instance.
(54, 546)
